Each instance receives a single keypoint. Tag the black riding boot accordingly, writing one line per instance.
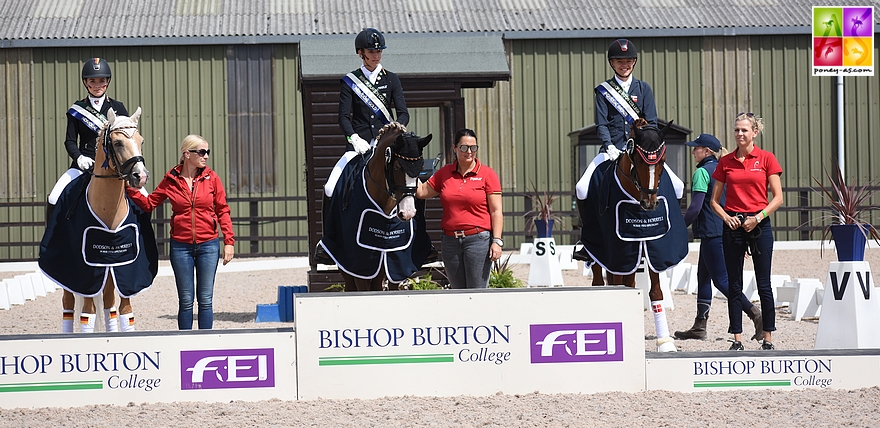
(581, 254)
(698, 331)
(49, 209)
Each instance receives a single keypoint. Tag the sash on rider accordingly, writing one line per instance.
(369, 94)
(85, 113)
(621, 102)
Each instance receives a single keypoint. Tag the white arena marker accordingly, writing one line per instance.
(851, 308)
(544, 270)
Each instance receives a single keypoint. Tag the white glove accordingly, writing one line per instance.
(84, 162)
(612, 151)
(360, 145)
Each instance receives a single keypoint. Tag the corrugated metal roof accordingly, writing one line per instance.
(84, 20)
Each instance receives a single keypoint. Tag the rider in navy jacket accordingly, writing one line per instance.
(355, 117)
(610, 125)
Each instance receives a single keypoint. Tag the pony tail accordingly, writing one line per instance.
(723, 152)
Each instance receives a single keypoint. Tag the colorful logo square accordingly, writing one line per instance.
(843, 41)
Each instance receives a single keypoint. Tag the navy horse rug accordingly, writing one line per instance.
(79, 252)
(361, 239)
(617, 232)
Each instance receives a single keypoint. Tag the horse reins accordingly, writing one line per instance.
(112, 156)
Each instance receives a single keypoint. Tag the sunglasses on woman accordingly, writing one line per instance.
(201, 152)
(468, 148)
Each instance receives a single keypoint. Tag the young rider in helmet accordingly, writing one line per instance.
(369, 94)
(622, 99)
(84, 119)
(619, 101)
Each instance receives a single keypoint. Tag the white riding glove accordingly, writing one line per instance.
(612, 151)
(360, 145)
(84, 162)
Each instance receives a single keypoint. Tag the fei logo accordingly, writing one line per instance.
(576, 343)
(227, 368)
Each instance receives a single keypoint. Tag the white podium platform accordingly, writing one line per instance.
(851, 308)
(544, 269)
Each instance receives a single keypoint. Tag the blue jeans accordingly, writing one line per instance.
(201, 258)
(712, 269)
(467, 260)
(736, 242)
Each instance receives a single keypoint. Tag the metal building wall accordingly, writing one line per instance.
(800, 114)
(289, 157)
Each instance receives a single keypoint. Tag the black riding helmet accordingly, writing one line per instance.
(96, 67)
(370, 38)
(622, 48)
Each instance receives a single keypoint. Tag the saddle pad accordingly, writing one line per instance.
(79, 253)
(362, 240)
(661, 235)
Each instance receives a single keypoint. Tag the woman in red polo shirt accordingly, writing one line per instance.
(748, 172)
(470, 193)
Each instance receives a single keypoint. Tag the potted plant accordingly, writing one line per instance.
(541, 216)
(501, 275)
(844, 216)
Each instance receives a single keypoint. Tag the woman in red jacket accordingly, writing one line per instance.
(198, 205)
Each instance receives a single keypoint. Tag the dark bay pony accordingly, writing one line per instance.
(97, 242)
(368, 227)
(631, 212)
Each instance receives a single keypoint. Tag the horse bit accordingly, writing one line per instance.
(113, 157)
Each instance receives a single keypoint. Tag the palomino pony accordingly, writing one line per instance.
(368, 230)
(116, 239)
(631, 211)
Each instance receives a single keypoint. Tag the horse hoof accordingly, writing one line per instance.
(667, 345)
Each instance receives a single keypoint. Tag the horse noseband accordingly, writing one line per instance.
(123, 169)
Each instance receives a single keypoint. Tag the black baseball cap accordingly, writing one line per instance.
(706, 140)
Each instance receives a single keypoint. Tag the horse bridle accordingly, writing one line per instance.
(390, 187)
(113, 157)
(650, 157)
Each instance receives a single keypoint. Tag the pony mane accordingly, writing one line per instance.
(391, 126)
(640, 123)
